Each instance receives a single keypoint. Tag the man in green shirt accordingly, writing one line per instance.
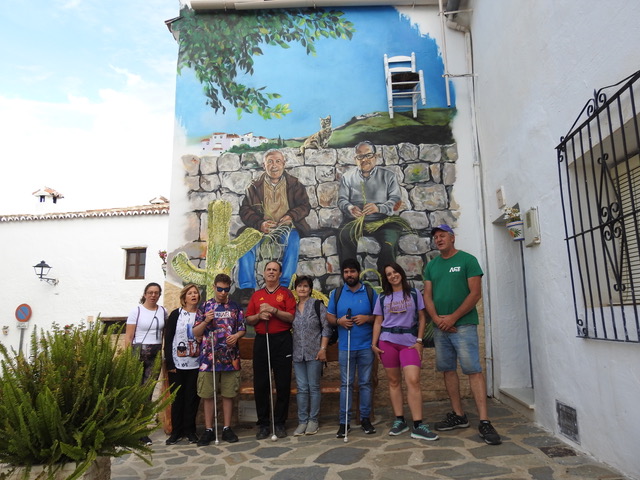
(452, 288)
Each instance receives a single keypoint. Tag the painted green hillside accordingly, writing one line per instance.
(432, 126)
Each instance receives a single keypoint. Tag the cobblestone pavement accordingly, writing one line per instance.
(527, 452)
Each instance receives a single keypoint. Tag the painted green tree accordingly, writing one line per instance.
(219, 46)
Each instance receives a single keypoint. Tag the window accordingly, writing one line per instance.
(599, 169)
(136, 259)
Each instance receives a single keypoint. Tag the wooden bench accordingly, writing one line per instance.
(327, 386)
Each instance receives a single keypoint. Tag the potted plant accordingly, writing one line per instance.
(76, 400)
(515, 226)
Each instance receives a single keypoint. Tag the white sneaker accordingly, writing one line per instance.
(302, 428)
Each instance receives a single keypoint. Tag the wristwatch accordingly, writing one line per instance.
(419, 340)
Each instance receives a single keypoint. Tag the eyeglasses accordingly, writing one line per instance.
(368, 156)
(223, 289)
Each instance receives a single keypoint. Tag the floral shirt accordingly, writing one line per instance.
(227, 320)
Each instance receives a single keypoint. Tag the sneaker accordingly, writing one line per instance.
(301, 430)
(280, 431)
(422, 432)
(263, 432)
(207, 437)
(173, 439)
(229, 436)
(488, 433)
(366, 426)
(193, 438)
(146, 441)
(452, 421)
(343, 430)
(398, 427)
(312, 428)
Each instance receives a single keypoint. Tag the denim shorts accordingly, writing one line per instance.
(461, 345)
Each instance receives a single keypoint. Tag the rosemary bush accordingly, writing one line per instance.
(75, 398)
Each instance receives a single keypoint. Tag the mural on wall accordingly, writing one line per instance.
(283, 116)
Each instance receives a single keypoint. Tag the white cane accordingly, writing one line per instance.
(346, 397)
(215, 395)
(273, 422)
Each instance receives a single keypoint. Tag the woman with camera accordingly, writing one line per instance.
(181, 353)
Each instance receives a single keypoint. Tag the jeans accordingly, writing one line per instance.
(308, 382)
(363, 360)
(247, 263)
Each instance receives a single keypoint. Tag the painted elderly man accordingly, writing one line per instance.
(275, 204)
(371, 192)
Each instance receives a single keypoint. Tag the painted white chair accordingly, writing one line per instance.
(405, 84)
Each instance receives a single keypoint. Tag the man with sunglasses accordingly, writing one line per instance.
(220, 323)
(371, 192)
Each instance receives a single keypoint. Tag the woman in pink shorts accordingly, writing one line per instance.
(397, 341)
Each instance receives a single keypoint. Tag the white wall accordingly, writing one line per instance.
(537, 64)
(87, 257)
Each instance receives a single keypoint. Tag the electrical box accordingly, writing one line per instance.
(531, 227)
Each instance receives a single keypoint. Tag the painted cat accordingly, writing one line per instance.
(319, 139)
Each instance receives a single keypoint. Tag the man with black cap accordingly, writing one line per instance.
(452, 288)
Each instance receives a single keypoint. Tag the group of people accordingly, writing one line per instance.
(202, 353)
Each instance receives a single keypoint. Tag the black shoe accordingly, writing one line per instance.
(193, 438)
(173, 439)
(488, 433)
(263, 432)
(452, 421)
(146, 441)
(207, 437)
(280, 431)
(366, 426)
(229, 436)
(343, 430)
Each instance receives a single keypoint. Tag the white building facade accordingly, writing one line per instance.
(537, 64)
(88, 254)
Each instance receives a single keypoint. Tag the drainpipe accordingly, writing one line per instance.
(449, 21)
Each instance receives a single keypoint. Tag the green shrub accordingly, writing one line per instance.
(76, 397)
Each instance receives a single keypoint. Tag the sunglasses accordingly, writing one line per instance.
(223, 289)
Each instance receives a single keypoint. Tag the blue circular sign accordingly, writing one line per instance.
(23, 313)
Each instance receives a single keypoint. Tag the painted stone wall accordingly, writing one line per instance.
(426, 174)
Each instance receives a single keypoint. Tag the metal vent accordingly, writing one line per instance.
(568, 421)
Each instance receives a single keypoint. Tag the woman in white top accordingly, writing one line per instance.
(145, 326)
(181, 356)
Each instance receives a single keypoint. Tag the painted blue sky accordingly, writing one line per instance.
(87, 92)
(345, 78)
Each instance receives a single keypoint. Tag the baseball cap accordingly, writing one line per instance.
(444, 228)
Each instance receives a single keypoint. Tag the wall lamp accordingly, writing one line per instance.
(42, 269)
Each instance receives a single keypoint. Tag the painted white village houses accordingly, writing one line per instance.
(100, 262)
(219, 142)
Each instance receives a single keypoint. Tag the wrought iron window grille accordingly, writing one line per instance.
(599, 172)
